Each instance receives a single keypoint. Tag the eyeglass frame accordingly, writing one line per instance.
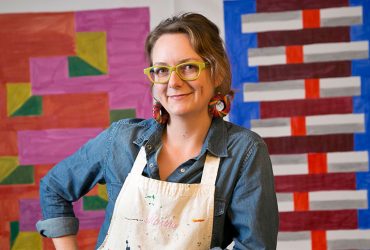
(201, 65)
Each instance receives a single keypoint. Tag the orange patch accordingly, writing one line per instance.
(294, 54)
(311, 19)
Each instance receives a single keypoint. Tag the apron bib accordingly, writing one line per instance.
(154, 214)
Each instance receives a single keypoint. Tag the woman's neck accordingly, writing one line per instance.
(187, 135)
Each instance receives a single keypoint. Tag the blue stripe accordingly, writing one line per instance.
(361, 104)
(237, 45)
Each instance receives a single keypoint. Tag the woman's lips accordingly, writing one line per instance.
(178, 96)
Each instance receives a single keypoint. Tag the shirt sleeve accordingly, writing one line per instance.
(253, 211)
(66, 182)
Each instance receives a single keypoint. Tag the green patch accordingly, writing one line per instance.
(94, 203)
(21, 175)
(78, 67)
(14, 230)
(33, 106)
(119, 114)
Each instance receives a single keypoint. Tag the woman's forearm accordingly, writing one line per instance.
(68, 242)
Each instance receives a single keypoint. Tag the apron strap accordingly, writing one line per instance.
(210, 170)
(140, 162)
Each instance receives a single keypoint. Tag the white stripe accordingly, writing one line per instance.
(294, 245)
(335, 119)
(289, 169)
(344, 195)
(340, 12)
(251, 27)
(266, 60)
(340, 82)
(355, 234)
(276, 95)
(348, 157)
(286, 206)
(273, 131)
(328, 48)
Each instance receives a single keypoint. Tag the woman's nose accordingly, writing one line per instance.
(175, 81)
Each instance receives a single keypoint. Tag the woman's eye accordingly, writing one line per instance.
(160, 71)
(189, 67)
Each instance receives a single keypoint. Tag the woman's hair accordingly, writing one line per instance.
(205, 39)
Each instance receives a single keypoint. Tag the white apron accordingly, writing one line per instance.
(154, 214)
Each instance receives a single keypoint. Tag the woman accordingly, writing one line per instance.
(186, 179)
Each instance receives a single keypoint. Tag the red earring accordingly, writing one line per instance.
(159, 113)
(220, 105)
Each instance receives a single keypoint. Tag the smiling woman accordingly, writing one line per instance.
(186, 179)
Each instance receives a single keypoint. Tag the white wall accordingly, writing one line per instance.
(159, 9)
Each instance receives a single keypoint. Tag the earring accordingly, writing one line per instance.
(219, 106)
(159, 113)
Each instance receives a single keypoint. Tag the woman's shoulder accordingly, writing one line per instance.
(134, 127)
(242, 134)
(130, 123)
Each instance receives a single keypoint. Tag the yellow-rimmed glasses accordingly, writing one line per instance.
(188, 71)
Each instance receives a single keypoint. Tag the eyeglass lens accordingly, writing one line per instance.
(187, 71)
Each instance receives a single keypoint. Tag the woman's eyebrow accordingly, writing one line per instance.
(181, 61)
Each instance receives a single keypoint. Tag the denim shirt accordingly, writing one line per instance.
(245, 201)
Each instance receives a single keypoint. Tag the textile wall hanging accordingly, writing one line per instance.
(302, 81)
(64, 77)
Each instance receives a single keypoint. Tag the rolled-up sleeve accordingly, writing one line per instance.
(57, 227)
(66, 182)
(253, 210)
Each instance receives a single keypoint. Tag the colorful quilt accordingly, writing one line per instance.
(64, 77)
(302, 81)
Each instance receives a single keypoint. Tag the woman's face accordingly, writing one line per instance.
(181, 98)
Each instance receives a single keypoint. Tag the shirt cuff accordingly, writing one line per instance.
(57, 227)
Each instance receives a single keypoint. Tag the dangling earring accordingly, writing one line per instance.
(159, 113)
(219, 106)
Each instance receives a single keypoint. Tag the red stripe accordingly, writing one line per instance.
(342, 105)
(318, 239)
(312, 88)
(301, 201)
(315, 182)
(305, 36)
(82, 110)
(273, 5)
(294, 54)
(311, 19)
(303, 71)
(298, 125)
(318, 220)
(313, 143)
(317, 163)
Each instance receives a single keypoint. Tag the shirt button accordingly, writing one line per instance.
(149, 147)
(151, 165)
(182, 170)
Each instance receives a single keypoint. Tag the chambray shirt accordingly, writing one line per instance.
(245, 201)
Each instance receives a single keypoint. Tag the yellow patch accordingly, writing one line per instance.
(17, 94)
(28, 240)
(92, 48)
(7, 165)
(102, 192)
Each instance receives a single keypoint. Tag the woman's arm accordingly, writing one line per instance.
(253, 210)
(67, 182)
(66, 243)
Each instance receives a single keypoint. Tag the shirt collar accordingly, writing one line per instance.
(216, 140)
(151, 128)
